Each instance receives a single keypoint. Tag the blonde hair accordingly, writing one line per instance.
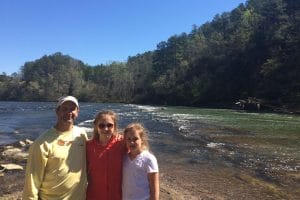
(143, 133)
(100, 115)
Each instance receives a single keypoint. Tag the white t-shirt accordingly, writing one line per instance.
(135, 184)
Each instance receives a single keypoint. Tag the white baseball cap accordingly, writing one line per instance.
(62, 100)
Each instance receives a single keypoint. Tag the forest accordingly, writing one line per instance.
(252, 52)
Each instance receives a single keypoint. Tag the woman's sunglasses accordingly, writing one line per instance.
(109, 125)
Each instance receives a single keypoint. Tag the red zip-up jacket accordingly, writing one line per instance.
(104, 169)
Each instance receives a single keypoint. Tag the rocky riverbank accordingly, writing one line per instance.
(180, 181)
(12, 169)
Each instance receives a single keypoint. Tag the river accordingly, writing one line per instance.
(257, 148)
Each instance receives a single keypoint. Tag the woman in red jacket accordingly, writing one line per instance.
(104, 159)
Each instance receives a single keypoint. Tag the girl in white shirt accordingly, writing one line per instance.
(140, 168)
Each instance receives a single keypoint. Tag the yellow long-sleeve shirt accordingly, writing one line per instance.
(56, 166)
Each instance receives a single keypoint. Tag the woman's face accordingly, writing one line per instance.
(105, 126)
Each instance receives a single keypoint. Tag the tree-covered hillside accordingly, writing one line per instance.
(252, 51)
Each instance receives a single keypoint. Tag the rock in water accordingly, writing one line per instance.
(11, 166)
(15, 153)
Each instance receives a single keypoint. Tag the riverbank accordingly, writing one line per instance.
(206, 181)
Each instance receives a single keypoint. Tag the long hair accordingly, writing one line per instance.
(101, 114)
(143, 133)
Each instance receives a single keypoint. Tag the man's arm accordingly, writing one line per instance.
(35, 170)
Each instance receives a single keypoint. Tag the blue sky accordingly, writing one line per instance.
(95, 31)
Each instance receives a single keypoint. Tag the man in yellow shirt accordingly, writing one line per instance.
(56, 166)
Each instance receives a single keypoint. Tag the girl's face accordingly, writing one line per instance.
(134, 142)
(105, 126)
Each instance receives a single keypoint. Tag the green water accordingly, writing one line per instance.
(267, 124)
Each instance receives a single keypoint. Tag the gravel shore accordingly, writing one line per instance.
(178, 181)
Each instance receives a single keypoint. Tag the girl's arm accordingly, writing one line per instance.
(154, 185)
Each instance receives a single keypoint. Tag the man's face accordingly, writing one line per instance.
(67, 112)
